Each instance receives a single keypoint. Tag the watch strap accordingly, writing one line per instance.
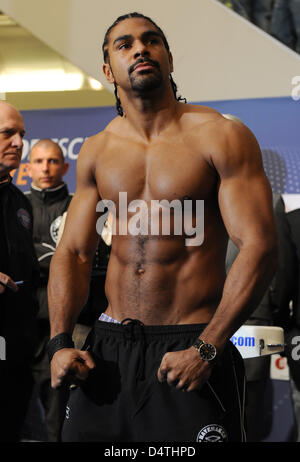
(197, 344)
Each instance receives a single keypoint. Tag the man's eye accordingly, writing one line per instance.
(9, 133)
(124, 45)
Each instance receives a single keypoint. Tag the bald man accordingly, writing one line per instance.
(50, 198)
(18, 278)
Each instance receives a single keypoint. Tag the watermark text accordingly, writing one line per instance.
(154, 218)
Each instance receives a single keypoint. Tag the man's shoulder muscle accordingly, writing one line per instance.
(232, 146)
(221, 140)
(94, 143)
(192, 115)
(90, 153)
(97, 144)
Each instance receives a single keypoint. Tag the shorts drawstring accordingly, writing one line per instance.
(130, 325)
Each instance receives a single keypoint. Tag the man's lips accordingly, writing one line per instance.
(144, 66)
(13, 156)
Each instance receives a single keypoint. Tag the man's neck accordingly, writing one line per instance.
(54, 188)
(149, 115)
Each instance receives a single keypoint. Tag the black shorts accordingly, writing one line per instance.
(123, 401)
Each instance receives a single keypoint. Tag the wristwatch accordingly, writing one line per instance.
(207, 351)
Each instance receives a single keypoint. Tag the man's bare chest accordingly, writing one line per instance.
(163, 171)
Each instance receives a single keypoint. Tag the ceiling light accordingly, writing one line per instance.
(40, 80)
(95, 84)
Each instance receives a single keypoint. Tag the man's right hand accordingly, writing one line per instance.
(6, 281)
(70, 365)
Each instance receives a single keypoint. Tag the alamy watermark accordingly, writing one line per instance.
(2, 349)
(296, 349)
(295, 94)
(155, 218)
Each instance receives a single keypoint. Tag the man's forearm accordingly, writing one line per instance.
(67, 290)
(245, 285)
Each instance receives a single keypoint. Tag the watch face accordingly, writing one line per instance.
(207, 351)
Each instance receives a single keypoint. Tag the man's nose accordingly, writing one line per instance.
(140, 50)
(17, 141)
(45, 165)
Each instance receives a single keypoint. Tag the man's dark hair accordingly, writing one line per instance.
(106, 56)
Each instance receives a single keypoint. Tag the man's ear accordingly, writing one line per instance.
(28, 169)
(108, 73)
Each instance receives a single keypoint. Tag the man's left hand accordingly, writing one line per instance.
(184, 370)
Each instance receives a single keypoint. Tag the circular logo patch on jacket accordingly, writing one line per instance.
(24, 218)
(54, 228)
(213, 433)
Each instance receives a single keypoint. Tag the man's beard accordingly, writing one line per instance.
(146, 81)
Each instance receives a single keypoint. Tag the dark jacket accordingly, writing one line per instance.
(285, 294)
(48, 207)
(17, 260)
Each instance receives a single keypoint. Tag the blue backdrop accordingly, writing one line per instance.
(274, 121)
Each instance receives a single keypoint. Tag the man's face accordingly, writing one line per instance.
(46, 167)
(11, 138)
(138, 58)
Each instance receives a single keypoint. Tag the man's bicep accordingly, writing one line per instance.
(245, 196)
(246, 209)
(80, 234)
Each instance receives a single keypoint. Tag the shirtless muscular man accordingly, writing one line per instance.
(160, 366)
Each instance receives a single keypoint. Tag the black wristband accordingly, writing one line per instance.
(63, 340)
